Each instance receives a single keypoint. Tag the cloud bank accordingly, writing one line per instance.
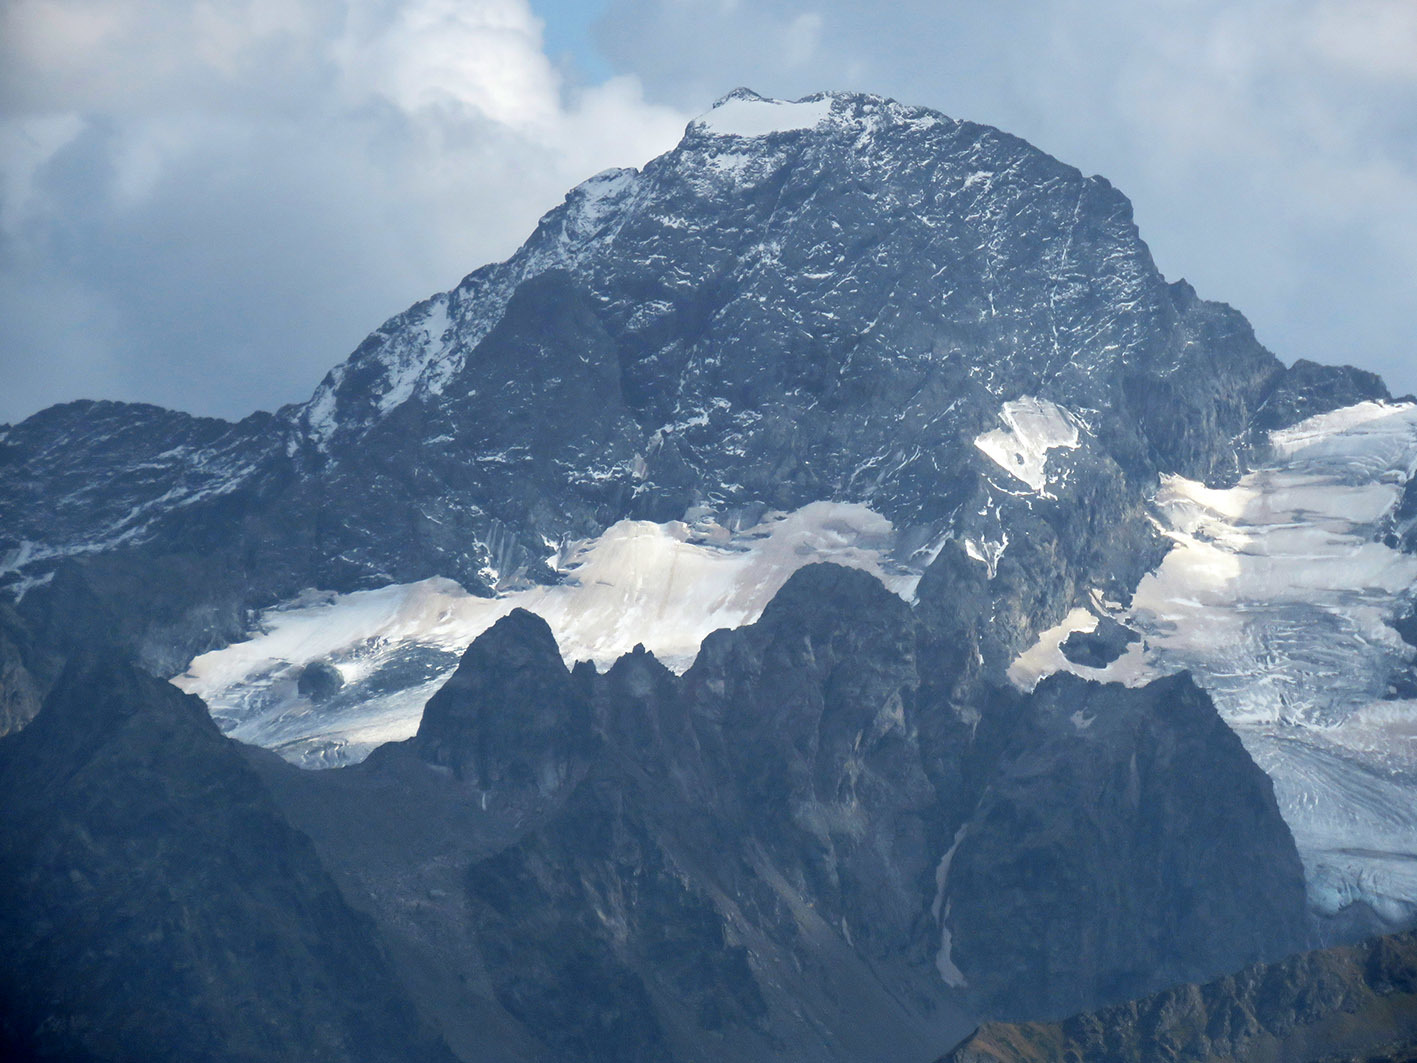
(206, 205)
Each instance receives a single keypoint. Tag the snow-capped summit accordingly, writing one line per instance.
(743, 113)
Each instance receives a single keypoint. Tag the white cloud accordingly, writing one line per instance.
(207, 205)
(1368, 38)
(801, 39)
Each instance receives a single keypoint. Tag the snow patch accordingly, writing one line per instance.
(1032, 427)
(403, 373)
(735, 165)
(320, 412)
(740, 116)
(596, 198)
(987, 551)
(940, 910)
(664, 585)
(1045, 656)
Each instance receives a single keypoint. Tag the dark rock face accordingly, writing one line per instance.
(27, 670)
(599, 941)
(1099, 647)
(319, 681)
(156, 904)
(748, 827)
(509, 718)
(770, 856)
(815, 717)
(1355, 1003)
(1126, 840)
(1309, 388)
(162, 609)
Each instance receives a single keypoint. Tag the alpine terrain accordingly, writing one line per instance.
(825, 592)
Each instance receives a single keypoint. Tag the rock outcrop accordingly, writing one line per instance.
(1124, 840)
(510, 719)
(773, 856)
(1350, 1004)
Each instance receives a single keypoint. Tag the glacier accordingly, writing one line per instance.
(1279, 595)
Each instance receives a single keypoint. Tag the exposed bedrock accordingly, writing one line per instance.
(757, 842)
(1124, 840)
(1348, 1004)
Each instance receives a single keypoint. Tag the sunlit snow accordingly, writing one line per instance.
(741, 117)
(1045, 656)
(1031, 428)
(664, 585)
(403, 374)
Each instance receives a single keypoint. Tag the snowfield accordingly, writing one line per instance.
(665, 586)
(739, 116)
(1032, 427)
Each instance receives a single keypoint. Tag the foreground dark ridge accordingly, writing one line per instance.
(156, 905)
(632, 865)
(1347, 1004)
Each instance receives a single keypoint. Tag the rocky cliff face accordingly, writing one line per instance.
(1356, 1003)
(1103, 788)
(509, 719)
(27, 669)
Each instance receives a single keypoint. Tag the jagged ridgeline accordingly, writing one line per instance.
(977, 622)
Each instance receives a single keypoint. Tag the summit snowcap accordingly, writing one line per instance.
(747, 114)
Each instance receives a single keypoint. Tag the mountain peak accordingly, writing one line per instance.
(742, 92)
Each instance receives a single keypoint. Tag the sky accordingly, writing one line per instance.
(206, 204)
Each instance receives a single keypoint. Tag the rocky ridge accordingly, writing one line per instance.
(1354, 1003)
(157, 905)
(754, 855)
